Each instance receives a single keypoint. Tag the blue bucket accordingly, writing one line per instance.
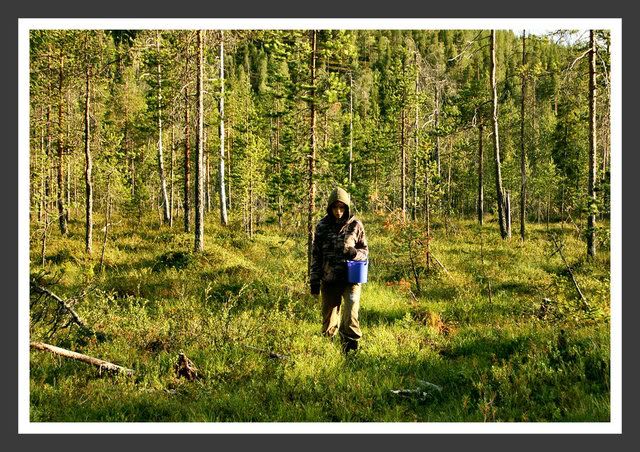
(357, 271)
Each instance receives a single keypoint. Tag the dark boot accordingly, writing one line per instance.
(350, 345)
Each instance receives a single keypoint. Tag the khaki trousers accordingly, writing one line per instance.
(340, 305)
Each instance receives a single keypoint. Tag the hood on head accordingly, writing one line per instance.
(339, 194)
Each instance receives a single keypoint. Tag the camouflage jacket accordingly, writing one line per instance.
(330, 243)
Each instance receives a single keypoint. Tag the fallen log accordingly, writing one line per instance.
(102, 365)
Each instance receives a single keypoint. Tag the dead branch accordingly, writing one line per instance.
(269, 353)
(441, 266)
(74, 316)
(573, 278)
(102, 365)
(578, 59)
(413, 267)
(423, 392)
(570, 218)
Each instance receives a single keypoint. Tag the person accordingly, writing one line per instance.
(339, 237)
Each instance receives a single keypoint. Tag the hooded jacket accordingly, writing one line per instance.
(332, 240)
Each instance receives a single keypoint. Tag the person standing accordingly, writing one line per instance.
(339, 236)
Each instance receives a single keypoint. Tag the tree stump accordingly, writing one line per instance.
(185, 368)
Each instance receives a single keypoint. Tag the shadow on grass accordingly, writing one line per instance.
(517, 288)
(373, 318)
(490, 347)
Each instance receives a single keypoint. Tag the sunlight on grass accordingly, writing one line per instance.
(479, 331)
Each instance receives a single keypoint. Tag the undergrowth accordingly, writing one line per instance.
(498, 327)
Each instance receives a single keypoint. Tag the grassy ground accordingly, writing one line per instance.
(479, 332)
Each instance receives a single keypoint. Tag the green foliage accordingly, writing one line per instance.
(497, 356)
(501, 330)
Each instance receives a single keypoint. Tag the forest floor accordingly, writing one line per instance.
(474, 343)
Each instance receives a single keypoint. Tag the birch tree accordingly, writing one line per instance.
(163, 179)
(62, 208)
(496, 140)
(88, 164)
(221, 188)
(523, 172)
(199, 195)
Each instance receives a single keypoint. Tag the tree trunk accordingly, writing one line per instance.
(591, 232)
(106, 223)
(173, 162)
(279, 171)
(163, 180)
(312, 152)
(43, 167)
(449, 202)
(49, 146)
(67, 190)
(221, 188)
(427, 209)
(350, 127)
(325, 143)
(62, 214)
(68, 186)
(403, 167)
(87, 167)
(229, 140)
(414, 177)
(45, 233)
(375, 172)
(199, 220)
(414, 207)
(480, 176)
(187, 166)
(496, 140)
(251, 203)
(523, 172)
(437, 119)
(507, 212)
(248, 191)
(207, 176)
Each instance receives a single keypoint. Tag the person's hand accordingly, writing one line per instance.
(350, 252)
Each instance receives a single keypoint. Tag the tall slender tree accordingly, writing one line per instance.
(523, 167)
(403, 165)
(62, 213)
(199, 196)
(186, 196)
(350, 126)
(163, 178)
(171, 170)
(591, 222)
(496, 140)
(437, 124)
(480, 174)
(88, 165)
(416, 136)
(221, 188)
(312, 149)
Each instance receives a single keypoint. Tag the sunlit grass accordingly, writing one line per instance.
(477, 330)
